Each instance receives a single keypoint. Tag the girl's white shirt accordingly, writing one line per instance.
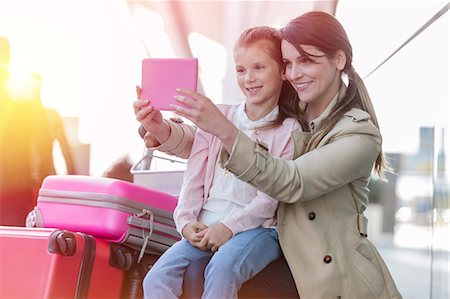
(229, 194)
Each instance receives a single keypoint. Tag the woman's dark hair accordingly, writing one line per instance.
(324, 31)
(269, 40)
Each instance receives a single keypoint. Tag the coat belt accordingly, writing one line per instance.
(362, 223)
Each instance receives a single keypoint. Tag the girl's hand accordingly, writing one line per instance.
(152, 120)
(205, 115)
(190, 231)
(214, 237)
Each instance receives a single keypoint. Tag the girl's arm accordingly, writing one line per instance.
(192, 196)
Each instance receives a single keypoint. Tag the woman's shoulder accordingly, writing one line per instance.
(356, 121)
(356, 115)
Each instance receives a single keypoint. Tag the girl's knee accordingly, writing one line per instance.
(148, 279)
(222, 265)
(147, 286)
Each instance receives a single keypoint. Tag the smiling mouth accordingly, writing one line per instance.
(253, 90)
(303, 85)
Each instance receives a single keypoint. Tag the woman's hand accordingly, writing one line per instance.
(152, 120)
(205, 115)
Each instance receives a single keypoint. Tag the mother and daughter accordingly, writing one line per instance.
(283, 173)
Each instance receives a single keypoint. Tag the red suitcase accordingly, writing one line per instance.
(53, 263)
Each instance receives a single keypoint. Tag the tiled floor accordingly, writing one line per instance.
(419, 272)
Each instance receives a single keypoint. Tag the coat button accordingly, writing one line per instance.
(311, 215)
(327, 259)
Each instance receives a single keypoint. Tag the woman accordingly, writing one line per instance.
(323, 191)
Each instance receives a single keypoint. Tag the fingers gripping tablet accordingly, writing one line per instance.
(161, 77)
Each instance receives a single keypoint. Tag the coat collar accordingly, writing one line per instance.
(243, 122)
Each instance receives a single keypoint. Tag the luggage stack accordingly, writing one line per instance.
(88, 237)
(114, 210)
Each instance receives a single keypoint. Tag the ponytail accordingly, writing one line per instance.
(381, 164)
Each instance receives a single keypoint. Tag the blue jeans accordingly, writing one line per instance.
(238, 260)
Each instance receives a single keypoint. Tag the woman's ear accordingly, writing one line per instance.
(341, 60)
(283, 74)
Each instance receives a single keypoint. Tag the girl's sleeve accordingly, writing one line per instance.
(191, 197)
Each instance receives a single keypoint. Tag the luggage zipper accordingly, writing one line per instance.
(87, 264)
(102, 201)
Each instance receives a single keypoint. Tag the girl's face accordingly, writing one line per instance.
(316, 78)
(258, 75)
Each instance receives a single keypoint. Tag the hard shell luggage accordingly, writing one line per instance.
(53, 263)
(114, 210)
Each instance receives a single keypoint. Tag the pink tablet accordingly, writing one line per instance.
(161, 77)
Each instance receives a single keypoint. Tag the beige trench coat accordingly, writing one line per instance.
(323, 195)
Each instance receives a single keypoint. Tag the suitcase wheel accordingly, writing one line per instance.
(63, 243)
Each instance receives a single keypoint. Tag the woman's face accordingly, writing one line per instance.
(315, 77)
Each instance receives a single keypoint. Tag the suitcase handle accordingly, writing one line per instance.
(63, 243)
(144, 220)
(34, 218)
(144, 164)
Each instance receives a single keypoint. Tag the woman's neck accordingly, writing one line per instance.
(315, 109)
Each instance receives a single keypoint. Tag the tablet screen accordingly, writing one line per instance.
(161, 77)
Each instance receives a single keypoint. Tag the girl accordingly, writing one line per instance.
(323, 192)
(221, 218)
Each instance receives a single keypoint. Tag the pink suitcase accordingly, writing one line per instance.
(52, 263)
(111, 209)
